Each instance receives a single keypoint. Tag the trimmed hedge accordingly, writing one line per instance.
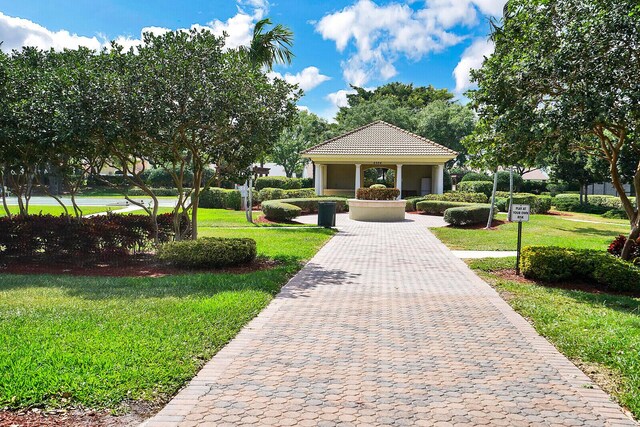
(455, 196)
(271, 193)
(467, 215)
(539, 204)
(208, 252)
(377, 193)
(595, 204)
(310, 205)
(51, 236)
(459, 196)
(281, 182)
(275, 210)
(554, 264)
(435, 207)
(278, 193)
(485, 187)
(220, 198)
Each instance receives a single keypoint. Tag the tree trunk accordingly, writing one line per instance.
(4, 193)
(197, 181)
(493, 200)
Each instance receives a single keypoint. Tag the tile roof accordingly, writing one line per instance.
(382, 139)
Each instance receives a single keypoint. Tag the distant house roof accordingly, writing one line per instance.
(380, 139)
(535, 175)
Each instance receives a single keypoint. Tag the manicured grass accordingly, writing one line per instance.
(549, 230)
(57, 210)
(101, 342)
(227, 218)
(599, 332)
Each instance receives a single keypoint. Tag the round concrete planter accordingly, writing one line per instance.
(377, 210)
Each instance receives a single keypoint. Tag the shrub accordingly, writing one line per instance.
(535, 187)
(458, 196)
(615, 248)
(275, 210)
(609, 202)
(467, 215)
(306, 182)
(504, 181)
(474, 176)
(106, 181)
(485, 187)
(547, 263)
(270, 193)
(553, 264)
(208, 252)
(435, 207)
(310, 205)
(52, 236)
(447, 183)
(278, 182)
(615, 214)
(555, 189)
(302, 193)
(377, 193)
(541, 205)
(220, 198)
(410, 204)
(567, 202)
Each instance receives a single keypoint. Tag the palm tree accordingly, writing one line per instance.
(270, 47)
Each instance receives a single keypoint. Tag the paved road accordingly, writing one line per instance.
(385, 326)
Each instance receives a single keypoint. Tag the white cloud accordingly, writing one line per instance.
(382, 34)
(18, 32)
(339, 98)
(306, 79)
(472, 58)
(303, 108)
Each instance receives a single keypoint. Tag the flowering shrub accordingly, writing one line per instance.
(615, 248)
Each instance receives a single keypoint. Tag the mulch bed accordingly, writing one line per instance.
(65, 419)
(143, 265)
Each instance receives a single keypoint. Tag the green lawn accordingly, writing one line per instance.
(599, 332)
(100, 342)
(228, 218)
(549, 230)
(57, 210)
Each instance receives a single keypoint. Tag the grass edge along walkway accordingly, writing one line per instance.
(101, 342)
(600, 333)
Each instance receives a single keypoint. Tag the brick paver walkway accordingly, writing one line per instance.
(386, 327)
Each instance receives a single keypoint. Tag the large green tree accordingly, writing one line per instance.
(563, 69)
(423, 110)
(306, 131)
(447, 123)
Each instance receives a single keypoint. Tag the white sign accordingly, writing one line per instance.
(520, 213)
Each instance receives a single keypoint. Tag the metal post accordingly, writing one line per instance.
(510, 191)
(493, 200)
(518, 252)
(250, 200)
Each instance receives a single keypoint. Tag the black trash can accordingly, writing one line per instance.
(327, 214)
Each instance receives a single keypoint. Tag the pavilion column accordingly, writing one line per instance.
(319, 179)
(437, 177)
(399, 180)
(358, 172)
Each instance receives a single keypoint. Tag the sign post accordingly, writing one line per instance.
(519, 214)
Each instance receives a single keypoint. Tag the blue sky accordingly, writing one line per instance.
(363, 42)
